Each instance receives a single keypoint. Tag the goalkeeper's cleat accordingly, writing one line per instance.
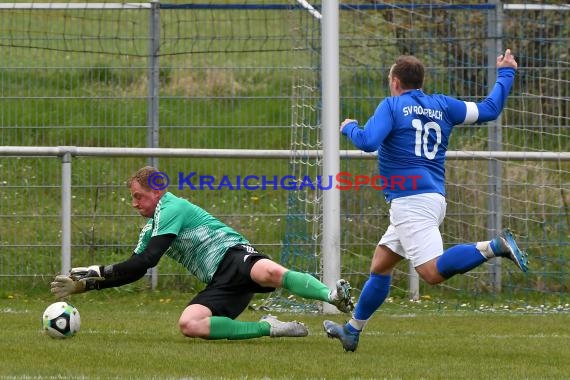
(340, 296)
(284, 329)
(348, 339)
(504, 245)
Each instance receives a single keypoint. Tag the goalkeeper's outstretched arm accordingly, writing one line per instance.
(135, 266)
(99, 277)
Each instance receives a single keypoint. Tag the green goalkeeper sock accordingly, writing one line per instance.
(305, 285)
(226, 328)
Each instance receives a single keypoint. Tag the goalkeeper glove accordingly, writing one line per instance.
(63, 286)
(92, 272)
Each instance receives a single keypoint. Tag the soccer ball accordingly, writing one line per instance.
(61, 320)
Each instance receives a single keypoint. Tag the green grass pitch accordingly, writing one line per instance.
(135, 335)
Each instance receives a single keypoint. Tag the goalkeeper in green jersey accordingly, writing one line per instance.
(223, 259)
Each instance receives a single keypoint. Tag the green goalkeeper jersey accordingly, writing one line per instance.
(201, 239)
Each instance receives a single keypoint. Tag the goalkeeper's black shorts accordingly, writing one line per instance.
(231, 288)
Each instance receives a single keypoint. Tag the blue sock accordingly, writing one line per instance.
(374, 292)
(496, 249)
(460, 258)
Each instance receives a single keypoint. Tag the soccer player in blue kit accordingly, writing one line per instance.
(410, 130)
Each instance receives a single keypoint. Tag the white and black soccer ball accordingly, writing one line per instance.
(61, 320)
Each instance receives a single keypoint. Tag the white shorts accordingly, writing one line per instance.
(414, 227)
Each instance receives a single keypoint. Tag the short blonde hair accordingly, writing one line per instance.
(141, 176)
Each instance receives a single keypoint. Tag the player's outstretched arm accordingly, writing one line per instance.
(98, 277)
(492, 106)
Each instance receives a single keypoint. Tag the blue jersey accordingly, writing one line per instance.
(411, 134)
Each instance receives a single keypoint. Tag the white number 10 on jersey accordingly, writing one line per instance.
(422, 136)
